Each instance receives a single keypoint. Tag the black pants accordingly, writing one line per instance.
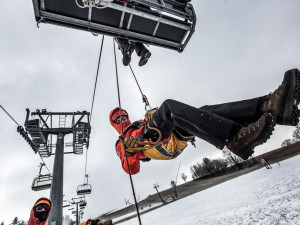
(212, 123)
(139, 47)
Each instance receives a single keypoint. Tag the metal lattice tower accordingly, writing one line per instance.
(39, 133)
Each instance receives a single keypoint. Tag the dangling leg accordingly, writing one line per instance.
(282, 104)
(126, 49)
(213, 128)
(143, 52)
(243, 112)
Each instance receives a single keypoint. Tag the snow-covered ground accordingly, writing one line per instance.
(266, 196)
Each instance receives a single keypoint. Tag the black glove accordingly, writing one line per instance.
(146, 159)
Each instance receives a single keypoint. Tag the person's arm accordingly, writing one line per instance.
(133, 161)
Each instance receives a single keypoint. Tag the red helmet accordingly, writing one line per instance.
(115, 114)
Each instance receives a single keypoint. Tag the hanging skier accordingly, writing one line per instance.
(240, 126)
(127, 47)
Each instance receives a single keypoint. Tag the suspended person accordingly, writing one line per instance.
(40, 212)
(127, 47)
(240, 126)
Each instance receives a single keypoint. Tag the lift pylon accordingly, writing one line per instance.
(41, 128)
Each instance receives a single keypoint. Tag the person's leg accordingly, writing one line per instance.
(282, 104)
(143, 52)
(212, 128)
(243, 112)
(126, 49)
(207, 126)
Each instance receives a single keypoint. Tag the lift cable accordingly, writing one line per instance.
(9, 115)
(145, 100)
(122, 136)
(96, 78)
(19, 125)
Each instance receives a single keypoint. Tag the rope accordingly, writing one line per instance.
(145, 100)
(96, 78)
(9, 115)
(119, 99)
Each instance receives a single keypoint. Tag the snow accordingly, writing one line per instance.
(265, 196)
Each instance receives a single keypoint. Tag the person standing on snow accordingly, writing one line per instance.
(40, 212)
(265, 163)
(240, 126)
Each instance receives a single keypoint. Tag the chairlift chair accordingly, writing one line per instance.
(84, 189)
(166, 23)
(41, 182)
(82, 204)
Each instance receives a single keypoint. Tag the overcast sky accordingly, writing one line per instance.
(240, 49)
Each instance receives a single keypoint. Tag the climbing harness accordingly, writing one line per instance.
(145, 145)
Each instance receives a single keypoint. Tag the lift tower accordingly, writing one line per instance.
(41, 131)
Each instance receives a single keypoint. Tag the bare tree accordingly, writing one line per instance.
(232, 159)
(2, 223)
(287, 142)
(296, 134)
(184, 177)
(21, 222)
(15, 221)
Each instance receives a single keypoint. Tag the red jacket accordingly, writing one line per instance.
(168, 149)
(130, 130)
(35, 221)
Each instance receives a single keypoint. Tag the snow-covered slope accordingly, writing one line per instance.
(266, 196)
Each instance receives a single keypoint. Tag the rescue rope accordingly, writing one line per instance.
(122, 135)
(144, 97)
(96, 78)
(92, 107)
(147, 144)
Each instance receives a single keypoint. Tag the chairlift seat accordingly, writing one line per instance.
(84, 189)
(165, 23)
(32, 123)
(83, 204)
(41, 182)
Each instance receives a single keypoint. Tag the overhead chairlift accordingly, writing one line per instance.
(85, 188)
(41, 182)
(166, 23)
(82, 204)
